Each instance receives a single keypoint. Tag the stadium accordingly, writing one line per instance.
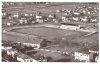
(39, 30)
(46, 31)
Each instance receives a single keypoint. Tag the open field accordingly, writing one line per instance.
(46, 10)
(48, 32)
(51, 33)
(54, 41)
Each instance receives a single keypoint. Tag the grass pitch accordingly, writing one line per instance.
(48, 32)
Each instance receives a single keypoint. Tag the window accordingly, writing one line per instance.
(81, 54)
(31, 60)
(24, 60)
(27, 60)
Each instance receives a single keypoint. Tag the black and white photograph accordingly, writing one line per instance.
(49, 31)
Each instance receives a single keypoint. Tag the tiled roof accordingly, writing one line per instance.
(24, 56)
(12, 49)
(84, 50)
(94, 48)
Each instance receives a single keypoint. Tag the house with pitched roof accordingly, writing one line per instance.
(39, 18)
(25, 58)
(82, 55)
(35, 43)
(49, 56)
(87, 55)
(95, 51)
(11, 52)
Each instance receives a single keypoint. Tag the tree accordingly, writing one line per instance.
(43, 43)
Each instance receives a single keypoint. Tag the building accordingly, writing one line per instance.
(65, 18)
(50, 19)
(87, 55)
(52, 16)
(69, 26)
(45, 19)
(25, 58)
(39, 18)
(59, 11)
(32, 45)
(9, 55)
(94, 19)
(5, 48)
(26, 14)
(97, 59)
(95, 51)
(11, 23)
(35, 43)
(40, 57)
(48, 56)
(85, 19)
(23, 21)
(4, 14)
(76, 18)
(68, 18)
(31, 14)
(11, 52)
(76, 13)
(55, 20)
(82, 55)
(10, 17)
(17, 15)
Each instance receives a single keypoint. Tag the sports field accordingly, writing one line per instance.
(48, 32)
(70, 35)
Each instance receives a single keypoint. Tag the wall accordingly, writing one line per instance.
(81, 56)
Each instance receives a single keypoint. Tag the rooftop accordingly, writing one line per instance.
(54, 55)
(94, 48)
(84, 50)
(12, 49)
(23, 56)
(69, 24)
